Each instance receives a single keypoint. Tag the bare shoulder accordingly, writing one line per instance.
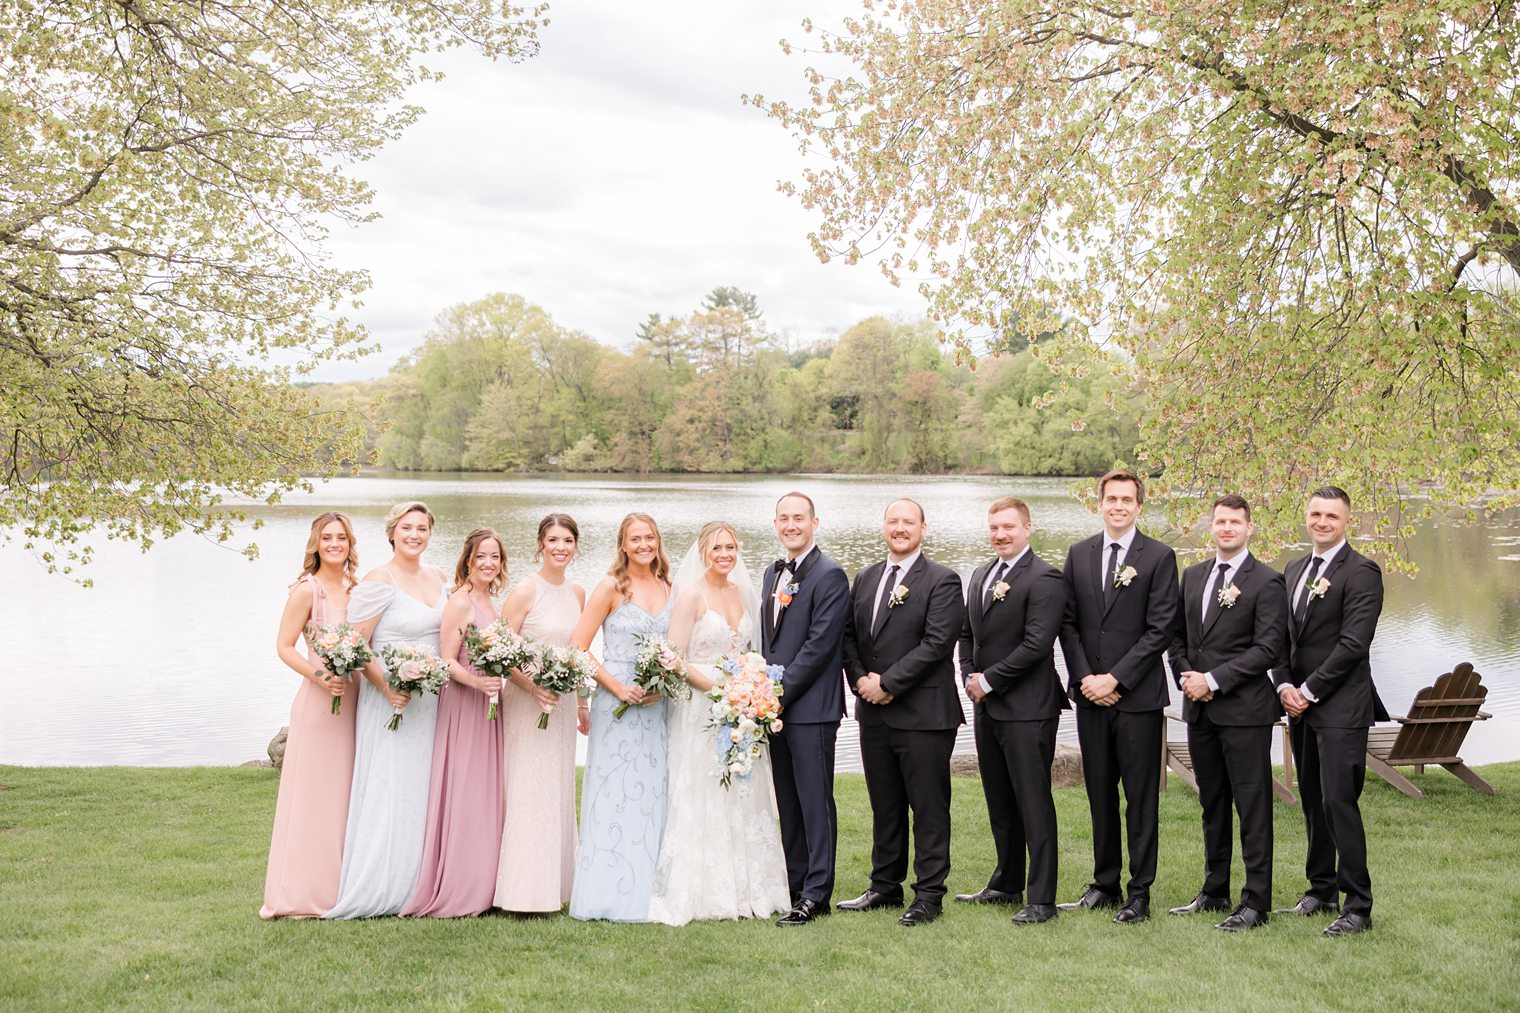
(381, 575)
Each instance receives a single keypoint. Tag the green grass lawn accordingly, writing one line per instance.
(141, 887)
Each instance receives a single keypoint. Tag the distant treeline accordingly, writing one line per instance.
(499, 386)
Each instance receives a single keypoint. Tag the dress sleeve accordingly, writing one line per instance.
(368, 599)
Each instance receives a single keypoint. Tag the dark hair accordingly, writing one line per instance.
(555, 521)
(922, 519)
(1123, 475)
(812, 510)
(1010, 503)
(1332, 492)
(1234, 501)
(472, 541)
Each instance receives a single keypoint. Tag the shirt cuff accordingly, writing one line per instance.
(1304, 689)
(981, 681)
(1284, 687)
(1208, 677)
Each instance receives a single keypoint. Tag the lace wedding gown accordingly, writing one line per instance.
(721, 856)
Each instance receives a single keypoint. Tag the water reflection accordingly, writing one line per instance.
(170, 659)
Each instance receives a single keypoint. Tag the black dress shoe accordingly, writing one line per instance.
(805, 911)
(1093, 898)
(1243, 918)
(987, 895)
(1202, 902)
(1349, 924)
(871, 900)
(1311, 905)
(1137, 910)
(920, 912)
(1034, 914)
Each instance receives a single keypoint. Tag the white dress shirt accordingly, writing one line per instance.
(902, 571)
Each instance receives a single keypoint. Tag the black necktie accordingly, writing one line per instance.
(1212, 601)
(885, 601)
(1111, 575)
(1303, 598)
(1002, 568)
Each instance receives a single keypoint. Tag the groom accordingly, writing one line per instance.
(805, 598)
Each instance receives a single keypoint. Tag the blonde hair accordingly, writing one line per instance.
(472, 542)
(313, 561)
(618, 571)
(708, 537)
(400, 510)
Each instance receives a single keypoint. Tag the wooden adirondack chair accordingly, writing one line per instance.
(1432, 732)
(1176, 755)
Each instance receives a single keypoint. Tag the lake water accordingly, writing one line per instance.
(169, 659)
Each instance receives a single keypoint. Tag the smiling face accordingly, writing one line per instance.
(412, 534)
(487, 562)
(795, 523)
(1119, 506)
(558, 547)
(1009, 532)
(1231, 529)
(722, 553)
(640, 543)
(1326, 521)
(332, 543)
(903, 528)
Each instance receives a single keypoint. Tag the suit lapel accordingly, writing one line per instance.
(865, 584)
(1239, 580)
(974, 596)
(796, 578)
(1193, 602)
(1130, 558)
(1335, 564)
(767, 604)
(908, 580)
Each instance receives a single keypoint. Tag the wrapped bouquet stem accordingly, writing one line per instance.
(496, 649)
(657, 669)
(411, 670)
(343, 649)
(562, 670)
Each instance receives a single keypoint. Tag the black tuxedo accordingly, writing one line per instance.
(1011, 641)
(807, 642)
(1329, 658)
(905, 745)
(1126, 636)
(1230, 735)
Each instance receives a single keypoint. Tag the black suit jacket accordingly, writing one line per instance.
(1238, 645)
(808, 639)
(1329, 654)
(1130, 636)
(913, 650)
(1012, 641)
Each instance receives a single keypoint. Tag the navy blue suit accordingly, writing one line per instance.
(807, 641)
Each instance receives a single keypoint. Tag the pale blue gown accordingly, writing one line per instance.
(387, 808)
(623, 790)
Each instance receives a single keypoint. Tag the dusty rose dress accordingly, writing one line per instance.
(538, 840)
(311, 813)
(463, 835)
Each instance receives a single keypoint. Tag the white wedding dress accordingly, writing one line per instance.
(721, 854)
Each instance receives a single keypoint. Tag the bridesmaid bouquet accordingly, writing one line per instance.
(562, 670)
(497, 650)
(341, 648)
(746, 708)
(411, 670)
(657, 669)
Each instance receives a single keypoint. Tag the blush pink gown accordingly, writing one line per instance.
(311, 813)
(463, 836)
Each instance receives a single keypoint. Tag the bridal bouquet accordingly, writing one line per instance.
(657, 669)
(746, 709)
(563, 670)
(496, 650)
(411, 670)
(342, 648)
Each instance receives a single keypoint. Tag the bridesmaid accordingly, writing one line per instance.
(401, 602)
(306, 848)
(462, 842)
(623, 792)
(538, 841)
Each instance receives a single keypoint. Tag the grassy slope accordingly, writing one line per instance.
(141, 886)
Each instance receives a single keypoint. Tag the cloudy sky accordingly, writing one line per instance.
(614, 175)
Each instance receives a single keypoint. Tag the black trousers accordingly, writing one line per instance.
(1015, 759)
(1122, 746)
(802, 768)
(1332, 767)
(1233, 764)
(908, 770)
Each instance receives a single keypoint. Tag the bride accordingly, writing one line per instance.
(721, 855)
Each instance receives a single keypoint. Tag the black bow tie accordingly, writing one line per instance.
(784, 564)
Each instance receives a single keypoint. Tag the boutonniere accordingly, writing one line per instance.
(1124, 575)
(1320, 587)
(899, 595)
(1000, 590)
(785, 593)
(1227, 596)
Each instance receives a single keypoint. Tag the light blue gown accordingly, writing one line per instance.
(387, 808)
(623, 790)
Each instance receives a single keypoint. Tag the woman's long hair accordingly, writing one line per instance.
(467, 556)
(619, 568)
(313, 560)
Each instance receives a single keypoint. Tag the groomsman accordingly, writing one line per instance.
(1232, 629)
(803, 612)
(1119, 619)
(1014, 607)
(1335, 595)
(905, 617)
